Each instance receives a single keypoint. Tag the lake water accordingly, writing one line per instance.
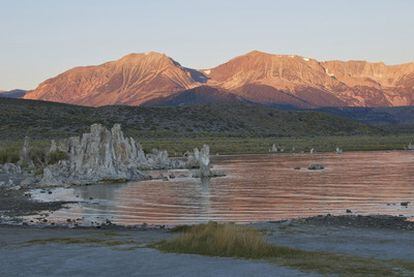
(256, 188)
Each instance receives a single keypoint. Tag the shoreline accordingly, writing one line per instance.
(374, 221)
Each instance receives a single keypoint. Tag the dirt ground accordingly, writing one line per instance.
(118, 251)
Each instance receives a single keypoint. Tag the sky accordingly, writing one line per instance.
(42, 38)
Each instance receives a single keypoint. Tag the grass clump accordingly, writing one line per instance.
(9, 155)
(231, 240)
(213, 239)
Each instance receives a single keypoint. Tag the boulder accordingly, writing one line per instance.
(316, 167)
(12, 169)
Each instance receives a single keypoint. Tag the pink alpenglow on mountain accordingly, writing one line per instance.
(257, 77)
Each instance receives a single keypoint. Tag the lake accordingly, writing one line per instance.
(255, 188)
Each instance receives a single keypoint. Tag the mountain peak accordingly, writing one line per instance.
(256, 52)
(132, 80)
(146, 55)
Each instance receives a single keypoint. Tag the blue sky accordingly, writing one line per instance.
(41, 38)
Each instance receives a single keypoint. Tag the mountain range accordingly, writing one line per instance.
(289, 80)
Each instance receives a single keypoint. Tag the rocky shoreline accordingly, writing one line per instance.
(14, 203)
(358, 221)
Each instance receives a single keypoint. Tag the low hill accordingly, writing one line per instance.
(203, 95)
(394, 119)
(15, 93)
(39, 119)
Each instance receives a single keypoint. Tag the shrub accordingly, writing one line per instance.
(9, 155)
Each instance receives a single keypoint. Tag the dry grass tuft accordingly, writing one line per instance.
(231, 240)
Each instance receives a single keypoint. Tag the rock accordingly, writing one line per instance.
(16, 188)
(405, 204)
(29, 181)
(203, 159)
(104, 155)
(316, 167)
(96, 156)
(25, 159)
(53, 146)
(274, 149)
(348, 211)
(297, 168)
(10, 168)
(158, 159)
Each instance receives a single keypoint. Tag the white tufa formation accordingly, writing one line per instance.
(203, 159)
(98, 155)
(108, 155)
(25, 159)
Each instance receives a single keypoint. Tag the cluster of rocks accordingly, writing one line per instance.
(373, 221)
(276, 148)
(201, 159)
(15, 176)
(106, 154)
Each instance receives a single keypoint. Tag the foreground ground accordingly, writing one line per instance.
(31, 251)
